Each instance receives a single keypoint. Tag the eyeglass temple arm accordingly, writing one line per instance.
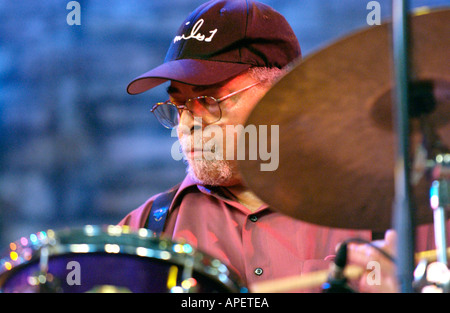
(184, 107)
(236, 92)
(178, 106)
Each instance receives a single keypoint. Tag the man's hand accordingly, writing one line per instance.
(380, 275)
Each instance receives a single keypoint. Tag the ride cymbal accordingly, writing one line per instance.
(336, 139)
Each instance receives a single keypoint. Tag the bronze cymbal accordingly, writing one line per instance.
(336, 138)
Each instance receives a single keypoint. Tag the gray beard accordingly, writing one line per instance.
(211, 172)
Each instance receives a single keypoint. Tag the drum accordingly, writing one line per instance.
(110, 259)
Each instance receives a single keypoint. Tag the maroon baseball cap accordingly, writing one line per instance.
(221, 39)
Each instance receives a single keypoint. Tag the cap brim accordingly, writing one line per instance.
(187, 71)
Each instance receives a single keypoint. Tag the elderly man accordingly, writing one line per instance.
(224, 58)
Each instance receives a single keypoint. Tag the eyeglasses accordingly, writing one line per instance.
(168, 113)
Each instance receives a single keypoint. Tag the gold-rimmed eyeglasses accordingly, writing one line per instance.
(208, 108)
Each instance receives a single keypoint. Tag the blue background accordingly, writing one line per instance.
(76, 149)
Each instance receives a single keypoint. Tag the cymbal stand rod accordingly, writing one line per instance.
(403, 218)
(435, 276)
(438, 167)
(439, 202)
(439, 222)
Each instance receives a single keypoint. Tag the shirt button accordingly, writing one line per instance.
(253, 218)
(258, 271)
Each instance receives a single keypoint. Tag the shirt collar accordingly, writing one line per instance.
(216, 191)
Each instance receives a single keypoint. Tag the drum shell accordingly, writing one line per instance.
(123, 261)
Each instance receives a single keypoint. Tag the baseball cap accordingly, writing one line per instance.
(221, 39)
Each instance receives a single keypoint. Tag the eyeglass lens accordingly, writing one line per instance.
(205, 107)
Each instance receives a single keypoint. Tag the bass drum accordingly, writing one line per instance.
(110, 259)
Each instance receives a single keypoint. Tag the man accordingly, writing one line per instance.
(222, 61)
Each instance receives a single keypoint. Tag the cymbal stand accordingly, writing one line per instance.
(403, 219)
(439, 194)
(437, 169)
(439, 202)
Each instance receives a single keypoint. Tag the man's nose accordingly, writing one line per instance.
(188, 123)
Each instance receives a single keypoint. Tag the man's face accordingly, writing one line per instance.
(210, 149)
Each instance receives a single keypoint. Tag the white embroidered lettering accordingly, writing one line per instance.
(213, 32)
(195, 33)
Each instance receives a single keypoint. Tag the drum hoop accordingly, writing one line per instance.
(113, 239)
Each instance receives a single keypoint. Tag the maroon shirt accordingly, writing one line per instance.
(261, 245)
(258, 246)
